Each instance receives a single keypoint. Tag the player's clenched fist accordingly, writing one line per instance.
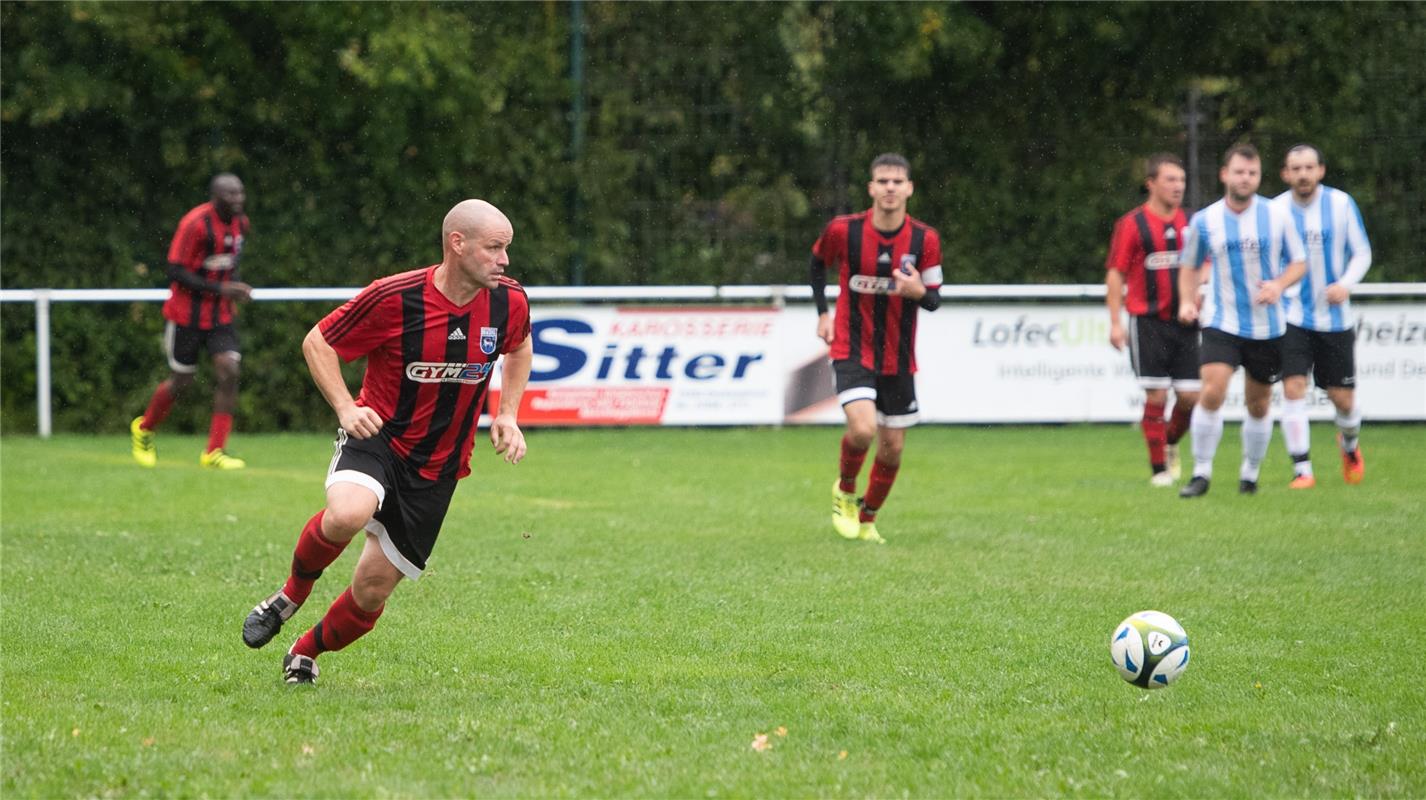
(359, 422)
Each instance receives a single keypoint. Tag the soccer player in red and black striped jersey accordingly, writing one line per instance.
(203, 267)
(889, 265)
(1143, 254)
(431, 338)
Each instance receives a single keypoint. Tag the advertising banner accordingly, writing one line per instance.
(655, 366)
(1000, 363)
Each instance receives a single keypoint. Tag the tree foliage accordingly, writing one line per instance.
(717, 139)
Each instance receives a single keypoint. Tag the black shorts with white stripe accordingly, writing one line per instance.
(1164, 353)
(894, 395)
(410, 509)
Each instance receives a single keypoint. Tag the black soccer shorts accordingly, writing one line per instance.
(181, 344)
(1164, 353)
(1261, 358)
(410, 509)
(1329, 355)
(894, 395)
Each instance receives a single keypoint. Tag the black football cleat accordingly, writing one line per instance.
(266, 619)
(298, 670)
(1197, 487)
(1246, 486)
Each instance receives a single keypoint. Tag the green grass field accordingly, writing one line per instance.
(621, 614)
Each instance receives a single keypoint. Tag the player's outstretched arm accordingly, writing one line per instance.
(359, 422)
(505, 432)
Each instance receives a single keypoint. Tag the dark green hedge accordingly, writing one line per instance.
(717, 138)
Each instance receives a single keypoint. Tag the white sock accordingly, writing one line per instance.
(1207, 430)
(1297, 434)
(1257, 435)
(1350, 427)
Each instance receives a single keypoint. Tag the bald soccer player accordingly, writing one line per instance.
(431, 338)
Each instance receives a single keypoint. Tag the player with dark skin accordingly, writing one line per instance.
(228, 198)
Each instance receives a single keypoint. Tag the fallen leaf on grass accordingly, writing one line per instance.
(761, 743)
(781, 730)
(308, 750)
(842, 756)
(148, 742)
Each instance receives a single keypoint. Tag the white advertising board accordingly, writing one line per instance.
(1000, 363)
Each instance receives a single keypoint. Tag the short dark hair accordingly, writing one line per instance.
(1244, 149)
(891, 160)
(1298, 148)
(1151, 168)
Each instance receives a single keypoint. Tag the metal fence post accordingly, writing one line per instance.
(42, 359)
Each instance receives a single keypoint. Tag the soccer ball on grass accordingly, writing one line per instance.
(1150, 649)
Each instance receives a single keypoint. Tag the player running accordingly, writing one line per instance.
(1164, 352)
(1320, 336)
(889, 264)
(431, 338)
(203, 268)
(1256, 254)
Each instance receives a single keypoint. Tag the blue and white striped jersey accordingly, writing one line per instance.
(1246, 249)
(1337, 252)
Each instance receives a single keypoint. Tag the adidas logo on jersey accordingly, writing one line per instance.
(456, 336)
(884, 258)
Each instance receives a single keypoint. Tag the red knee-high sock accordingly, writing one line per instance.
(159, 406)
(882, 476)
(1153, 425)
(314, 553)
(344, 623)
(1178, 423)
(851, 466)
(218, 431)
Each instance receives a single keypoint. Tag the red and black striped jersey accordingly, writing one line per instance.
(873, 326)
(428, 361)
(1145, 248)
(207, 245)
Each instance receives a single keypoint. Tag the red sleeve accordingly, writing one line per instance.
(187, 240)
(1121, 246)
(362, 323)
(518, 328)
(931, 260)
(832, 244)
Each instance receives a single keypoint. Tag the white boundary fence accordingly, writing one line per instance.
(773, 295)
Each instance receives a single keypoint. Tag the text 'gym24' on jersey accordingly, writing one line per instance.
(428, 361)
(874, 327)
(207, 245)
(1145, 249)
(1337, 252)
(1246, 249)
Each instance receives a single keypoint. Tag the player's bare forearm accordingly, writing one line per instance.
(1188, 282)
(326, 369)
(505, 432)
(514, 376)
(1114, 300)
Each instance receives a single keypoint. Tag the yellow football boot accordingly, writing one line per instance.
(217, 459)
(142, 440)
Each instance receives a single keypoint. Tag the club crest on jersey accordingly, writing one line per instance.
(487, 340)
(448, 372)
(870, 284)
